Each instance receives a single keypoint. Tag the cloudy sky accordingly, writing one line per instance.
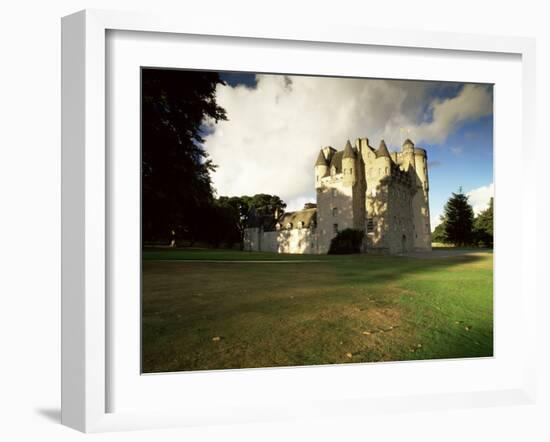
(277, 124)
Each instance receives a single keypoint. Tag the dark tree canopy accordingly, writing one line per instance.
(240, 208)
(458, 219)
(220, 226)
(177, 190)
(483, 226)
(243, 207)
(267, 205)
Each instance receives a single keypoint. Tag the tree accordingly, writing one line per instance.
(458, 218)
(438, 234)
(220, 225)
(237, 208)
(483, 226)
(261, 205)
(267, 205)
(346, 241)
(177, 190)
(240, 206)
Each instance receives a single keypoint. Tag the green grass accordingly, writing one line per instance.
(339, 309)
(199, 254)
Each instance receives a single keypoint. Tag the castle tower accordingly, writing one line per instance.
(340, 193)
(349, 169)
(422, 208)
(377, 202)
(408, 146)
(415, 160)
(407, 155)
(321, 169)
(383, 160)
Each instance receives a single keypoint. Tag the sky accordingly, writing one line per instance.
(277, 124)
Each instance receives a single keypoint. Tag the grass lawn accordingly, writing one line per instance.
(210, 309)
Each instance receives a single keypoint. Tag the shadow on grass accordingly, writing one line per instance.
(246, 278)
(268, 315)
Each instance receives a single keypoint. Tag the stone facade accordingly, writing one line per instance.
(293, 232)
(384, 194)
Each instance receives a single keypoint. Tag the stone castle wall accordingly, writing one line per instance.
(301, 241)
(336, 204)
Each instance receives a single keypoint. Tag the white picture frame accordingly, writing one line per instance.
(86, 315)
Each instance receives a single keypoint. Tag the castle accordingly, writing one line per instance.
(383, 193)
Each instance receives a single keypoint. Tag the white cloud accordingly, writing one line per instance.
(479, 198)
(472, 102)
(275, 131)
(435, 220)
(298, 202)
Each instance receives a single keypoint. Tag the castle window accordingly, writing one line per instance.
(335, 228)
(301, 224)
(334, 211)
(289, 226)
(370, 225)
(351, 171)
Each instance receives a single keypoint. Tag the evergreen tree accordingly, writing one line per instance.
(458, 217)
(483, 226)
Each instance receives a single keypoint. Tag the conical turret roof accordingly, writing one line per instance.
(382, 150)
(348, 151)
(321, 160)
(408, 142)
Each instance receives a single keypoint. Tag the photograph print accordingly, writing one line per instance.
(291, 220)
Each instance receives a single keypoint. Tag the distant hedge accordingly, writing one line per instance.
(346, 241)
